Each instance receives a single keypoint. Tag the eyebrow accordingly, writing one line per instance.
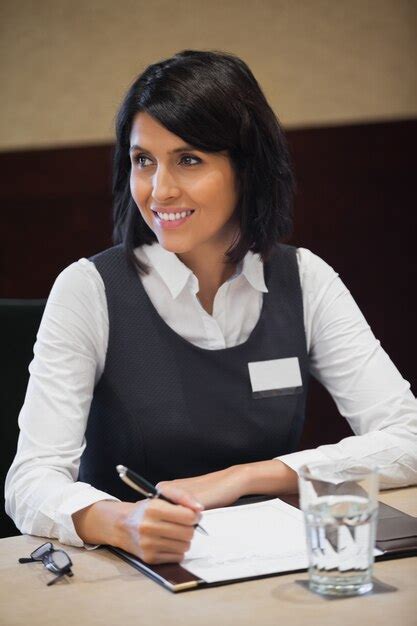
(180, 149)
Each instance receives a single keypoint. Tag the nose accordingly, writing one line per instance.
(164, 185)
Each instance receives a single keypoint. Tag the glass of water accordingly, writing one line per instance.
(340, 510)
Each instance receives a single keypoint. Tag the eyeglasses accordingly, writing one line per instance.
(57, 561)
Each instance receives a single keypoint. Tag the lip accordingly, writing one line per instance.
(171, 224)
(171, 209)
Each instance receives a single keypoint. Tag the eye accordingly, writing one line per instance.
(138, 159)
(188, 156)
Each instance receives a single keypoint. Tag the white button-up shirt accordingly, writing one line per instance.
(42, 491)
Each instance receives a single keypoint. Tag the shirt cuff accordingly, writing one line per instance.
(296, 459)
(66, 532)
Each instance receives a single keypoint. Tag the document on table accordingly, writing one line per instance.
(248, 540)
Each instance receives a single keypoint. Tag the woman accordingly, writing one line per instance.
(184, 353)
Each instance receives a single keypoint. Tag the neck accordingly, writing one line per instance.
(212, 270)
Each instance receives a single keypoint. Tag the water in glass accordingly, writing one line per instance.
(341, 537)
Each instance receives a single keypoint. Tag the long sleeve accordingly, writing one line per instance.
(41, 489)
(366, 386)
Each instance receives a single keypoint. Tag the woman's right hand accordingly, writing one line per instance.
(157, 531)
(154, 530)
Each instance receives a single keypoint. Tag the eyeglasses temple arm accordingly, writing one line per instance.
(53, 581)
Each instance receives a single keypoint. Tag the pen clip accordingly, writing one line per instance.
(127, 481)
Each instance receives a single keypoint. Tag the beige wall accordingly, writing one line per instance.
(64, 64)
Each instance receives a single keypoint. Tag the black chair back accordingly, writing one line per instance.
(19, 323)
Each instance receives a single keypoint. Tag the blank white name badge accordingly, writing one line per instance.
(275, 378)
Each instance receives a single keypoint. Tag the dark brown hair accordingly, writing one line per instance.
(212, 101)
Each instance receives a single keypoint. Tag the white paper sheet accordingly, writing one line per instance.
(248, 540)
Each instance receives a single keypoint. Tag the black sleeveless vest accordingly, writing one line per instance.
(168, 409)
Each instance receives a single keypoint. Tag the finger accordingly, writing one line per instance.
(168, 530)
(180, 496)
(155, 545)
(167, 557)
(160, 510)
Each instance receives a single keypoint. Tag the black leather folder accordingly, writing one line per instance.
(396, 538)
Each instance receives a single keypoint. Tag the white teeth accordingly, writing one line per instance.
(173, 216)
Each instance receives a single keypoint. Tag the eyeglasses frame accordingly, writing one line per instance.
(47, 560)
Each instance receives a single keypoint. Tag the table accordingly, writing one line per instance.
(106, 590)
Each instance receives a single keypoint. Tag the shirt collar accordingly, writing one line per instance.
(176, 275)
(253, 271)
(172, 271)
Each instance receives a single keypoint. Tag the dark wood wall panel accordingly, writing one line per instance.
(55, 208)
(355, 207)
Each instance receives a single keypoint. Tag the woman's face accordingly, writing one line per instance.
(186, 196)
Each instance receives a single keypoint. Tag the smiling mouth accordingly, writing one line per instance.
(172, 220)
(171, 217)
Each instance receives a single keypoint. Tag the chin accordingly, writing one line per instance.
(177, 247)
